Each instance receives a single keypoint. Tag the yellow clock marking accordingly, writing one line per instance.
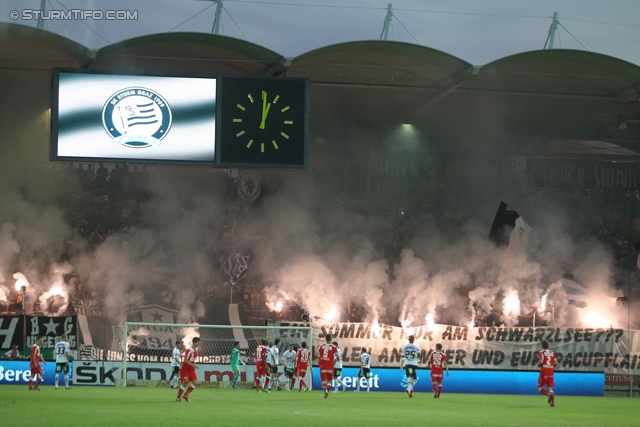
(265, 111)
(266, 106)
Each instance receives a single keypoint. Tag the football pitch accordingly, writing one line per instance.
(111, 406)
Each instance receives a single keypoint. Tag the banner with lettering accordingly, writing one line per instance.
(511, 348)
(11, 330)
(583, 174)
(51, 328)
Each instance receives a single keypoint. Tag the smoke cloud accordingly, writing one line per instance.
(325, 244)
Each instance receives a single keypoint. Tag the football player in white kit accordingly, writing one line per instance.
(365, 368)
(410, 353)
(337, 371)
(176, 356)
(62, 361)
(273, 358)
(288, 359)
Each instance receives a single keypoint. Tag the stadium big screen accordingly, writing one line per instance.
(134, 118)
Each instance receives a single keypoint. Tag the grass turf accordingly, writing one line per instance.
(111, 406)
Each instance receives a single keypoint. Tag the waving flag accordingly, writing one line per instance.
(236, 266)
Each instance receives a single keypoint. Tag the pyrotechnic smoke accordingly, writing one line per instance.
(411, 274)
(188, 334)
(310, 283)
(190, 308)
(557, 299)
(4, 291)
(481, 302)
(9, 247)
(54, 301)
(316, 242)
(366, 282)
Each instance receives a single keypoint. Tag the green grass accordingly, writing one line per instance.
(118, 407)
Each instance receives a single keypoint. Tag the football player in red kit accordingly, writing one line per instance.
(37, 374)
(302, 364)
(188, 375)
(261, 365)
(437, 360)
(547, 362)
(326, 359)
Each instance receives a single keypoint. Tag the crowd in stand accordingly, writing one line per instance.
(109, 198)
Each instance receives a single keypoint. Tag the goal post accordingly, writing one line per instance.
(153, 342)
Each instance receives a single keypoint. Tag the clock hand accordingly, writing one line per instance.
(266, 106)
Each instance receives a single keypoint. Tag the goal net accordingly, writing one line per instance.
(147, 349)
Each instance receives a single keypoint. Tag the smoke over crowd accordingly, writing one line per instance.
(398, 252)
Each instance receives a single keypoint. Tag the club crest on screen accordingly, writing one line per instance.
(136, 117)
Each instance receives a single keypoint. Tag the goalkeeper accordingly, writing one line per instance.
(235, 360)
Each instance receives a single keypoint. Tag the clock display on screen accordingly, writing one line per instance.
(264, 122)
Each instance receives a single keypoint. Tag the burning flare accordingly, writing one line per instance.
(375, 329)
(20, 281)
(332, 314)
(595, 320)
(56, 290)
(471, 324)
(430, 321)
(274, 306)
(512, 302)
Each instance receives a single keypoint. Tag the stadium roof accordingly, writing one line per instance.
(520, 103)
